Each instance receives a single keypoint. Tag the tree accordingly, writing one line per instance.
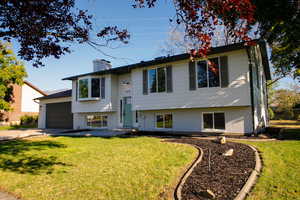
(285, 100)
(271, 98)
(276, 21)
(46, 28)
(12, 72)
(177, 42)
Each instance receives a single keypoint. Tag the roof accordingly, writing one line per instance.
(160, 60)
(168, 59)
(35, 88)
(66, 93)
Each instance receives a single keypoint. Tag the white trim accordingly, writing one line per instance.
(207, 73)
(213, 118)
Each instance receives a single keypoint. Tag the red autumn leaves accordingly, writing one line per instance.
(201, 18)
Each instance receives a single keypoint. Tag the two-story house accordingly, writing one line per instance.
(225, 92)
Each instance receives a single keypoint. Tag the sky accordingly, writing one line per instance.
(148, 28)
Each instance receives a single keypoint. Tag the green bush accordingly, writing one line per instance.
(271, 113)
(29, 120)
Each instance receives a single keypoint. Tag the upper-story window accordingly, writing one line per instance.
(90, 88)
(83, 88)
(208, 73)
(157, 79)
(95, 87)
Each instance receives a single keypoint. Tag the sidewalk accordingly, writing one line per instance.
(21, 133)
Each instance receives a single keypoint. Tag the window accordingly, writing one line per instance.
(168, 121)
(202, 74)
(152, 80)
(89, 88)
(95, 87)
(83, 88)
(97, 121)
(214, 121)
(214, 73)
(157, 80)
(208, 73)
(164, 121)
(161, 79)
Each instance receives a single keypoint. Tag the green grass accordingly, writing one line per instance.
(15, 127)
(280, 178)
(92, 168)
(285, 123)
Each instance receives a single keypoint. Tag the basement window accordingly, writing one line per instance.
(96, 121)
(214, 120)
(164, 121)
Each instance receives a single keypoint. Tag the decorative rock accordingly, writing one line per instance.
(222, 140)
(207, 194)
(228, 153)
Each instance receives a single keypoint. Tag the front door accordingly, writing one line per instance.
(127, 112)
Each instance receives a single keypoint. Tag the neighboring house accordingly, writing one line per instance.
(23, 103)
(168, 94)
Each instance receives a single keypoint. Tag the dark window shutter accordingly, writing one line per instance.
(145, 82)
(224, 71)
(192, 75)
(103, 88)
(169, 79)
(76, 90)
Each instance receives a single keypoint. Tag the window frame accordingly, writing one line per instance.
(207, 72)
(164, 123)
(89, 98)
(95, 127)
(156, 79)
(213, 122)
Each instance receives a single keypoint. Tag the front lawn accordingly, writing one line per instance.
(92, 168)
(280, 178)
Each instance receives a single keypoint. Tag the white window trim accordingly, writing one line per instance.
(163, 114)
(213, 118)
(92, 127)
(89, 98)
(207, 76)
(149, 88)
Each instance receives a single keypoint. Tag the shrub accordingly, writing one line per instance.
(29, 120)
(271, 113)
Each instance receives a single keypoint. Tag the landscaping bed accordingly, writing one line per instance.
(223, 175)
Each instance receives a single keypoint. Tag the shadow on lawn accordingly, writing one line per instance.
(15, 156)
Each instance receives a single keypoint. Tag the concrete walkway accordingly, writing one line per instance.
(23, 133)
(94, 133)
(20, 133)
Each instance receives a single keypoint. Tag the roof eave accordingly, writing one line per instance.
(127, 68)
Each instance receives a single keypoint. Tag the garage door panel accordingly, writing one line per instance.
(59, 115)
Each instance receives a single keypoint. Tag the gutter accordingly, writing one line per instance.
(251, 87)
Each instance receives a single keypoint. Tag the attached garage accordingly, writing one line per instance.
(59, 115)
(56, 111)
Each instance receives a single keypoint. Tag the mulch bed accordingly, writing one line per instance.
(227, 174)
